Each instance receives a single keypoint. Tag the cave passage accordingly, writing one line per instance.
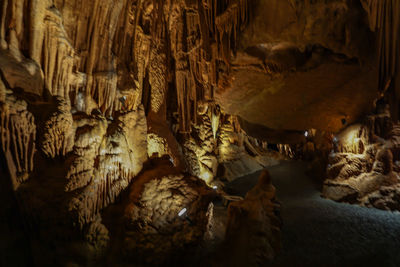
(321, 232)
(165, 133)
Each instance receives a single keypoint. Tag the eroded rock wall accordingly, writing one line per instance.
(298, 61)
(89, 91)
(363, 166)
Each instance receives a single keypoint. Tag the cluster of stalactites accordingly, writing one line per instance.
(203, 33)
(384, 17)
(101, 53)
(73, 51)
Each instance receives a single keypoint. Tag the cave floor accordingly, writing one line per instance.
(321, 232)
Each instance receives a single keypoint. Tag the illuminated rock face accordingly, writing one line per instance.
(89, 92)
(301, 65)
(363, 165)
(310, 64)
(162, 214)
(109, 163)
(18, 136)
(92, 93)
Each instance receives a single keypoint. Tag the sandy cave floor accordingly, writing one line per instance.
(321, 232)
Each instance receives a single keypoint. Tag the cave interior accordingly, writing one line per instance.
(199, 132)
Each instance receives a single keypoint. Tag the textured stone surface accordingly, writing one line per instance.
(57, 132)
(149, 223)
(90, 90)
(304, 64)
(362, 166)
(17, 136)
(253, 230)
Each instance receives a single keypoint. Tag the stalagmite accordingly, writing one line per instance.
(124, 123)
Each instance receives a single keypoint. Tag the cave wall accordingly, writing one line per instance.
(384, 19)
(310, 64)
(363, 166)
(91, 90)
(83, 82)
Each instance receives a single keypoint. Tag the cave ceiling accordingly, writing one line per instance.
(302, 65)
(121, 121)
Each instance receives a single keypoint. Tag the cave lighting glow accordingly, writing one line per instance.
(351, 137)
(206, 175)
(182, 212)
(214, 124)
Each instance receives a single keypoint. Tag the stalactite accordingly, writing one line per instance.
(229, 22)
(215, 120)
(17, 138)
(16, 24)
(157, 76)
(384, 17)
(58, 55)
(104, 58)
(142, 54)
(36, 33)
(104, 91)
(65, 50)
(198, 55)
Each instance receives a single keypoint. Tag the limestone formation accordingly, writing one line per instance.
(97, 236)
(57, 131)
(104, 167)
(298, 61)
(17, 136)
(200, 148)
(93, 87)
(162, 214)
(362, 164)
(232, 153)
(116, 115)
(161, 203)
(257, 220)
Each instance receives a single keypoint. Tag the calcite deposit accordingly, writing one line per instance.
(363, 164)
(89, 92)
(257, 219)
(311, 64)
(118, 115)
(18, 136)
